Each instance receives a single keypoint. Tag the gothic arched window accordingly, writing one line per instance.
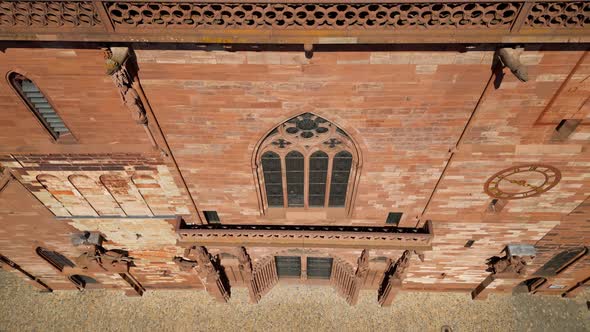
(38, 104)
(307, 162)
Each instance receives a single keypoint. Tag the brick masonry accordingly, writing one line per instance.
(405, 110)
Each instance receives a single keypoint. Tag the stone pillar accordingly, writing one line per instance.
(359, 276)
(245, 267)
(210, 273)
(393, 278)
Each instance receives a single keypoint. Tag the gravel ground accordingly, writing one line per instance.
(285, 308)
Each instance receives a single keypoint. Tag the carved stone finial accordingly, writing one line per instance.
(244, 260)
(363, 263)
(401, 267)
(210, 273)
(392, 279)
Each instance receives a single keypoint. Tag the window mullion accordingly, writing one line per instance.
(306, 181)
(284, 179)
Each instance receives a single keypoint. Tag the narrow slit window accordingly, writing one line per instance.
(318, 173)
(340, 174)
(54, 258)
(295, 180)
(39, 105)
(273, 179)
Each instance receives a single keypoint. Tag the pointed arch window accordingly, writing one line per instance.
(38, 103)
(318, 174)
(307, 162)
(295, 179)
(273, 179)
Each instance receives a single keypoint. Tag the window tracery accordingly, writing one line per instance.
(307, 162)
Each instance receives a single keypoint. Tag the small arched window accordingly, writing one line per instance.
(318, 174)
(307, 162)
(37, 103)
(54, 258)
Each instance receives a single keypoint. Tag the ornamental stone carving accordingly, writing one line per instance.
(118, 63)
(392, 279)
(312, 15)
(99, 259)
(209, 271)
(508, 265)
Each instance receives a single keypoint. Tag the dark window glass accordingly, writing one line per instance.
(54, 258)
(393, 218)
(340, 174)
(82, 281)
(211, 216)
(273, 179)
(295, 181)
(318, 172)
(39, 105)
(560, 261)
(319, 267)
(288, 266)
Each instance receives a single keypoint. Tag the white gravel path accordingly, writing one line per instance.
(285, 308)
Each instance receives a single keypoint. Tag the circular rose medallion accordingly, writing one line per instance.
(522, 181)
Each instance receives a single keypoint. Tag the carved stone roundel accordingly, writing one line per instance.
(522, 181)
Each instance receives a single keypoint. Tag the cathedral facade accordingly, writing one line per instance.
(415, 145)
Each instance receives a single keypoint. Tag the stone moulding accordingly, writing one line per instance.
(243, 21)
(307, 236)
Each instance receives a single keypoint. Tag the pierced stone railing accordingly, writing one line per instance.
(242, 20)
(307, 236)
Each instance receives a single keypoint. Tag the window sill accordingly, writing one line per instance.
(66, 139)
(305, 213)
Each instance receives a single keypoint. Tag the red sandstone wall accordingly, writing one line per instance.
(405, 110)
(75, 82)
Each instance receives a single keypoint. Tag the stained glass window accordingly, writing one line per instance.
(340, 174)
(307, 163)
(273, 179)
(318, 174)
(295, 179)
